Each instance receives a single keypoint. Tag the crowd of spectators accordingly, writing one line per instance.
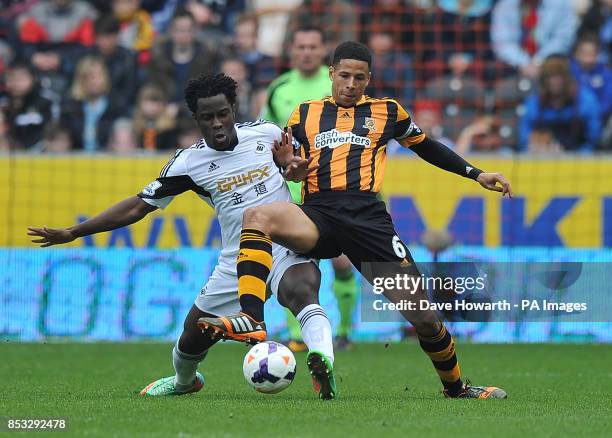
(487, 76)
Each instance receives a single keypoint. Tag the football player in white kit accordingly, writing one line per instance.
(233, 167)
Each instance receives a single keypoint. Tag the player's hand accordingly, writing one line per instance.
(283, 152)
(489, 181)
(50, 236)
(299, 169)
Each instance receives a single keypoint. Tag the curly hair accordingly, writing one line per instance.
(352, 50)
(208, 86)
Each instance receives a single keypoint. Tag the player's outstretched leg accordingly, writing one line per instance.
(253, 267)
(435, 340)
(237, 327)
(191, 349)
(441, 350)
(298, 291)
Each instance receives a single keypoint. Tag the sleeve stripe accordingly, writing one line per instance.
(166, 168)
(255, 123)
(407, 133)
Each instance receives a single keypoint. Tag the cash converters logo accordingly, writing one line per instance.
(334, 138)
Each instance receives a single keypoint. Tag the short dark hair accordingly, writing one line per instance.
(589, 38)
(181, 12)
(20, 64)
(106, 25)
(352, 50)
(246, 17)
(208, 86)
(308, 27)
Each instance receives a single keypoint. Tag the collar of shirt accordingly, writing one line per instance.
(359, 102)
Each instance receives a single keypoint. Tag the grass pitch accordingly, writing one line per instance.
(554, 390)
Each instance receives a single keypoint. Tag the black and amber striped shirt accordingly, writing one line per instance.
(349, 144)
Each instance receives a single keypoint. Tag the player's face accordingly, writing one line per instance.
(215, 118)
(350, 78)
(307, 52)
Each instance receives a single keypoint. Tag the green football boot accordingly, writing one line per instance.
(165, 386)
(322, 372)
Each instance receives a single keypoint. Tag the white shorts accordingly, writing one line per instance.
(219, 296)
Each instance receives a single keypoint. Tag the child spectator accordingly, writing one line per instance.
(591, 73)
(123, 138)
(56, 139)
(598, 20)
(25, 111)
(155, 121)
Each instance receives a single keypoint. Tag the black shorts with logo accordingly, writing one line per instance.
(358, 225)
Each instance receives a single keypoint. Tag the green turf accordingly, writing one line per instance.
(554, 390)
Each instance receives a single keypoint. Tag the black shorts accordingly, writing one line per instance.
(358, 225)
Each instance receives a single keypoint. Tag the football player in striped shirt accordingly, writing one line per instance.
(345, 136)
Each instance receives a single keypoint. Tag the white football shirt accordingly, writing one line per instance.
(229, 181)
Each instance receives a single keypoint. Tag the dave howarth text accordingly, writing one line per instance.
(459, 305)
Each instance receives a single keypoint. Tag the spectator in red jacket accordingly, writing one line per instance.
(53, 35)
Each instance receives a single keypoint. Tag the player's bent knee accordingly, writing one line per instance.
(299, 297)
(252, 218)
(258, 218)
(299, 287)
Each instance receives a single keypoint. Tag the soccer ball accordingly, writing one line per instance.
(269, 367)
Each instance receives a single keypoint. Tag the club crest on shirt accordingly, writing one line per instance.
(370, 124)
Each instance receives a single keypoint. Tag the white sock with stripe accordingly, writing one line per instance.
(185, 366)
(316, 330)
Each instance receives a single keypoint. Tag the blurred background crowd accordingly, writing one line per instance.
(485, 76)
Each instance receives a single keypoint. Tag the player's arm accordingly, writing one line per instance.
(124, 213)
(443, 157)
(174, 179)
(409, 135)
(295, 168)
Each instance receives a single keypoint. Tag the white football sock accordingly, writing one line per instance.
(316, 330)
(185, 366)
